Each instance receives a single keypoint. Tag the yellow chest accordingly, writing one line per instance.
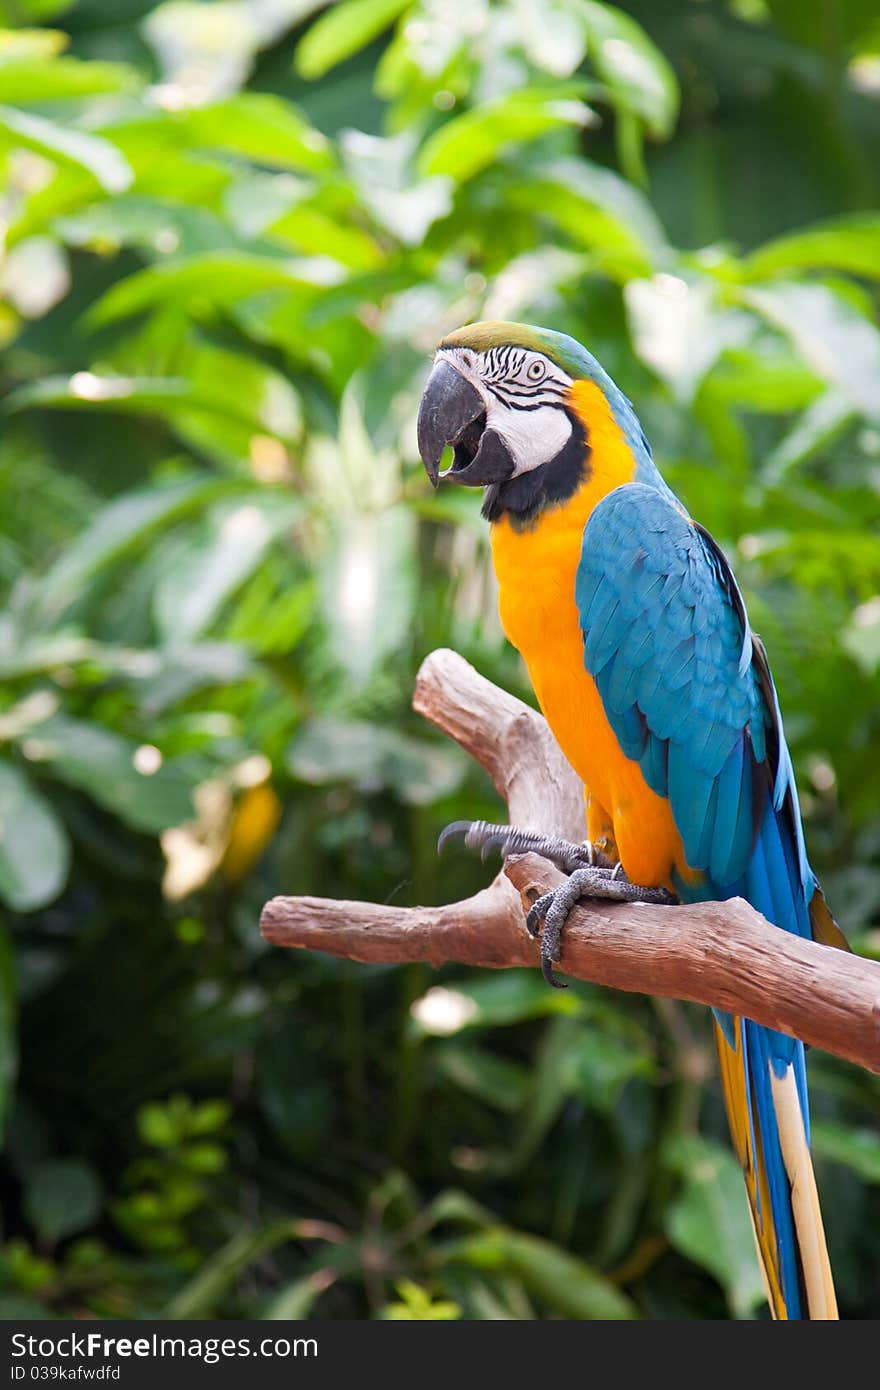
(536, 571)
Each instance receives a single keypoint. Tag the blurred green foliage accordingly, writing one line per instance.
(233, 233)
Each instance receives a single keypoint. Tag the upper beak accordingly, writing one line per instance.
(452, 411)
(449, 405)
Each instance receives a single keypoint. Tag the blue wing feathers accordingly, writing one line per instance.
(705, 841)
(654, 763)
(633, 732)
(663, 632)
(606, 635)
(726, 846)
(637, 645)
(688, 691)
(621, 681)
(680, 668)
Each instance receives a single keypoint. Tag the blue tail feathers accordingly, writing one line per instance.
(773, 884)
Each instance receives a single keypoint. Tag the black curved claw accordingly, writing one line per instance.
(551, 944)
(477, 834)
(451, 832)
(548, 959)
(537, 913)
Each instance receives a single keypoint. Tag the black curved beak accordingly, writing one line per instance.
(452, 411)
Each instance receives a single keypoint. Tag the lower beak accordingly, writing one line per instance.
(452, 411)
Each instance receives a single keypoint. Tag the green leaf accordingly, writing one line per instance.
(158, 1125)
(166, 397)
(598, 209)
(297, 1299)
(8, 1019)
(381, 168)
(459, 1209)
(368, 589)
(36, 276)
(66, 146)
(553, 34)
(168, 149)
(215, 278)
(814, 429)
(553, 1085)
(308, 229)
(27, 81)
(494, 1080)
(638, 74)
(342, 30)
(861, 636)
(512, 996)
(261, 127)
(709, 1220)
(104, 765)
(200, 1297)
(842, 243)
(15, 1308)
(122, 524)
(156, 224)
(210, 567)
(838, 343)
(62, 1196)
(830, 33)
(174, 674)
(372, 757)
(34, 11)
(766, 376)
(24, 656)
(564, 1283)
(208, 50)
(471, 142)
(603, 1063)
(209, 1117)
(34, 850)
(417, 1305)
(16, 44)
(680, 330)
(857, 1149)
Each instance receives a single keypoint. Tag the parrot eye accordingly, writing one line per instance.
(535, 371)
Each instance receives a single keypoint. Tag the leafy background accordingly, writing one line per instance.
(233, 233)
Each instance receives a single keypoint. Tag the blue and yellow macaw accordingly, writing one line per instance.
(637, 643)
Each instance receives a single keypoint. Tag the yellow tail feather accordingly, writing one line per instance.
(733, 1085)
(821, 1302)
(810, 1234)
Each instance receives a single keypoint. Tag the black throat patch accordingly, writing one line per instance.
(525, 497)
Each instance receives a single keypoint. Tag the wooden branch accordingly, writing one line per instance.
(721, 954)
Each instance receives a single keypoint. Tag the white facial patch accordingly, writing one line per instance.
(534, 438)
(524, 393)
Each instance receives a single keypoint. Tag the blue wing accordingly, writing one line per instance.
(684, 683)
(688, 692)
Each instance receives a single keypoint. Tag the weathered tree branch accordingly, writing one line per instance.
(721, 954)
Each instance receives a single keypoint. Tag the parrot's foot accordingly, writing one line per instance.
(479, 834)
(553, 908)
(590, 876)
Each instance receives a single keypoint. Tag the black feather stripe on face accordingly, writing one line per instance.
(523, 399)
(524, 497)
(504, 374)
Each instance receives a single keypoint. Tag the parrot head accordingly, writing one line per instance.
(501, 394)
(496, 394)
